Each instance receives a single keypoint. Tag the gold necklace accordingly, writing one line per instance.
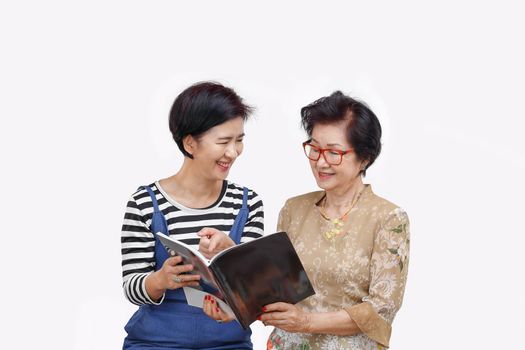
(337, 223)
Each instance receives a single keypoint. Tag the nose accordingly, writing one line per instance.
(321, 162)
(231, 151)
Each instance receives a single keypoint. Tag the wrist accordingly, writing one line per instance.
(154, 285)
(307, 322)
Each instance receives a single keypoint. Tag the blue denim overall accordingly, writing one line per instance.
(174, 324)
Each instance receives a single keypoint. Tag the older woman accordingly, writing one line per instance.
(352, 243)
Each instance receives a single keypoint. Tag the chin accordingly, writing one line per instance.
(324, 185)
(221, 175)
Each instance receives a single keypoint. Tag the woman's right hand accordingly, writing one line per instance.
(170, 276)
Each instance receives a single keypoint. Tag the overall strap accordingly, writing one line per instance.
(240, 220)
(153, 197)
(158, 224)
(244, 198)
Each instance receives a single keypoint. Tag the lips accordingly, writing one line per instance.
(324, 176)
(224, 166)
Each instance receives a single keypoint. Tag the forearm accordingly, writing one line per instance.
(337, 323)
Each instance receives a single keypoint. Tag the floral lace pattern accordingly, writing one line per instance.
(368, 263)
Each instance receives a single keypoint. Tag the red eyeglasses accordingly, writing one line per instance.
(332, 156)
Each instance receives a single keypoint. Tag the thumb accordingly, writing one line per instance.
(213, 244)
(279, 306)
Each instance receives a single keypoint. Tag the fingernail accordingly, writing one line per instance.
(259, 318)
(212, 300)
(217, 309)
(264, 309)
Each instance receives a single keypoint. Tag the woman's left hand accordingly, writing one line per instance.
(213, 242)
(286, 316)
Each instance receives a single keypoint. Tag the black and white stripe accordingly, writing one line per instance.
(138, 242)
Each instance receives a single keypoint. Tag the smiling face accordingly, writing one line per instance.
(334, 177)
(215, 151)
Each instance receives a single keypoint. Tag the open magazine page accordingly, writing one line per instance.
(200, 264)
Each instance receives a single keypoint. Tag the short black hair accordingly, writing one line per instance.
(201, 107)
(363, 130)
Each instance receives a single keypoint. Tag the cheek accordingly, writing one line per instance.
(352, 170)
(206, 149)
(313, 168)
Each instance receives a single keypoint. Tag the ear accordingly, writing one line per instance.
(189, 143)
(363, 165)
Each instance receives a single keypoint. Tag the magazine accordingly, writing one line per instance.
(246, 277)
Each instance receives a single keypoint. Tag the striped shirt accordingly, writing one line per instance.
(138, 242)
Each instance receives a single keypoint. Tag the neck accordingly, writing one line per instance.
(341, 198)
(191, 188)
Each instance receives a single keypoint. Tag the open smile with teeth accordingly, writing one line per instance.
(324, 175)
(224, 165)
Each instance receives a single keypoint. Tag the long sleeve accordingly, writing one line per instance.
(138, 248)
(254, 226)
(388, 272)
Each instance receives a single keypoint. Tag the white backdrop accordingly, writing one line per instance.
(85, 93)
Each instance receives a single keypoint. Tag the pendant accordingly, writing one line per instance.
(335, 231)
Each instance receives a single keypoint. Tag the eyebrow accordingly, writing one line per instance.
(230, 137)
(330, 144)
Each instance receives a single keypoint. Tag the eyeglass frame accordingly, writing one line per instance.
(323, 150)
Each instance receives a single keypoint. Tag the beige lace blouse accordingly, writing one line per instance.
(362, 268)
